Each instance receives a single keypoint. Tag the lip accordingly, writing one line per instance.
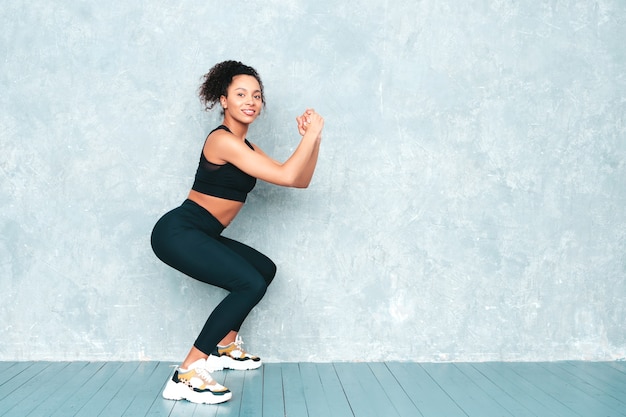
(249, 112)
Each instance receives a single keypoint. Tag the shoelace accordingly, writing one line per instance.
(239, 346)
(206, 376)
(239, 343)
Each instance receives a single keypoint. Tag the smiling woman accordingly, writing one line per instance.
(189, 238)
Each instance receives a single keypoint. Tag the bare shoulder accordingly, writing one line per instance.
(220, 135)
(217, 145)
(223, 146)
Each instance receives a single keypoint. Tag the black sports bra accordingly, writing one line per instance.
(223, 181)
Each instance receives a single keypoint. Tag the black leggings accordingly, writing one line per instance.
(188, 239)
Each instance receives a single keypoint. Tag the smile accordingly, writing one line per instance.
(249, 112)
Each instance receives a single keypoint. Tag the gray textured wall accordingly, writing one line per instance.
(468, 205)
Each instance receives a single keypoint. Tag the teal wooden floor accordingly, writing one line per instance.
(390, 389)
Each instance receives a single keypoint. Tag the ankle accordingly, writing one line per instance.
(228, 339)
(189, 363)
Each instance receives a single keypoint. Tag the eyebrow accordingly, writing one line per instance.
(244, 89)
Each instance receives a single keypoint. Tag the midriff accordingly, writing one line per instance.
(223, 210)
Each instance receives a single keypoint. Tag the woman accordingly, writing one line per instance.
(189, 238)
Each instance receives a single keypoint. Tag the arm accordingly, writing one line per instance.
(304, 179)
(304, 121)
(296, 171)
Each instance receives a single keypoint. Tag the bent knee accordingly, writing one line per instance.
(270, 273)
(254, 288)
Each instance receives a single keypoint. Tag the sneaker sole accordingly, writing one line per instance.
(177, 392)
(219, 363)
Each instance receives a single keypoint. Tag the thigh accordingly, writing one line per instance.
(264, 265)
(205, 258)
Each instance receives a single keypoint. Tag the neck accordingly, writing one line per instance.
(239, 129)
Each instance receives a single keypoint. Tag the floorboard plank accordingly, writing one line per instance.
(524, 391)
(398, 397)
(128, 388)
(612, 383)
(252, 394)
(316, 401)
(28, 395)
(66, 387)
(423, 391)
(8, 369)
(184, 409)
(148, 400)
(293, 391)
(561, 390)
(378, 394)
(506, 400)
(333, 390)
(105, 394)
(604, 372)
(619, 365)
(273, 399)
(465, 394)
(598, 375)
(366, 395)
(87, 390)
(607, 395)
(354, 393)
(20, 374)
(612, 373)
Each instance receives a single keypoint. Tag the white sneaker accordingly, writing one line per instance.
(232, 356)
(196, 385)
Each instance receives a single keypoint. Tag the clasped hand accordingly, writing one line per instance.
(310, 119)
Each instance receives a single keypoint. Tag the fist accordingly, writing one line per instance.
(309, 119)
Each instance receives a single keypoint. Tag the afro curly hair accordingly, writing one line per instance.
(215, 83)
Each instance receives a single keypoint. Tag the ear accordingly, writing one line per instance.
(223, 102)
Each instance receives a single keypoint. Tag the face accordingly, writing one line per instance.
(244, 100)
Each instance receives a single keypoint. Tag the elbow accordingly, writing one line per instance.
(299, 183)
(294, 180)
